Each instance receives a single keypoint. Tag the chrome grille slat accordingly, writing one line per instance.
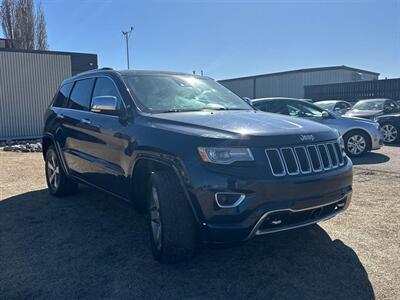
(275, 150)
(285, 162)
(306, 159)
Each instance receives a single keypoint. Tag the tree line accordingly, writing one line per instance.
(23, 24)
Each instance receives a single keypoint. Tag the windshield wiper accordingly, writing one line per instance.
(225, 108)
(172, 110)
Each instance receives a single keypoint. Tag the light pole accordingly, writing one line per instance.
(127, 35)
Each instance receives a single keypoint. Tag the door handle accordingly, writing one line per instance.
(61, 116)
(86, 121)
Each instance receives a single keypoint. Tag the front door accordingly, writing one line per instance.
(111, 141)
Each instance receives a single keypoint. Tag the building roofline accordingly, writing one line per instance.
(302, 70)
(44, 52)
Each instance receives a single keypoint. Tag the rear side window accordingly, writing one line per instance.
(61, 98)
(80, 96)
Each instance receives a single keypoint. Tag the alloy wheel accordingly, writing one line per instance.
(356, 144)
(389, 133)
(53, 172)
(155, 218)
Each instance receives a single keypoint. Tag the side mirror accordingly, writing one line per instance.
(105, 104)
(325, 115)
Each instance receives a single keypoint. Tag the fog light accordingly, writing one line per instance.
(229, 200)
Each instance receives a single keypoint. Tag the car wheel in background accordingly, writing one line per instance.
(58, 182)
(390, 133)
(356, 143)
(171, 220)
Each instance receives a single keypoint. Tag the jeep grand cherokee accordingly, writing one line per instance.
(200, 161)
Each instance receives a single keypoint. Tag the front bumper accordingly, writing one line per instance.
(286, 219)
(270, 205)
(376, 141)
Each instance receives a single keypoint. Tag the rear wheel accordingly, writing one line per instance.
(390, 133)
(58, 182)
(356, 143)
(171, 220)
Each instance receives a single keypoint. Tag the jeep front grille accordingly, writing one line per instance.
(304, 159)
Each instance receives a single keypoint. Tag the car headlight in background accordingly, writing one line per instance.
(224, 155)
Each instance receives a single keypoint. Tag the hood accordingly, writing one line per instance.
(240, 124)
(363, 113)
(356, 119)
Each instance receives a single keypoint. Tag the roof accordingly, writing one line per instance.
(274, 98)
(136, 72)
(343, 67)
(374, 99)
(154, 72)
(104, 71)
(44, 51)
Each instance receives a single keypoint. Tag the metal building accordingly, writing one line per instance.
(292, 83)
(353, 91)
(28, 82)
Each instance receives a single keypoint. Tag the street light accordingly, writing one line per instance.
(127, 35)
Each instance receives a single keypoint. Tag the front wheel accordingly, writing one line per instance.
(58, 182)
(356, 143)
(171, 220)
(390, 133)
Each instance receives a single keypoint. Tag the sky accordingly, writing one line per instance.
(229, 39)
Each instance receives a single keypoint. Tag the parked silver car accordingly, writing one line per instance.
(339, 107)
(359, 135)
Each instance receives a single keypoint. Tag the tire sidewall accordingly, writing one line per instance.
(156, 252)
(398, 133)
(50, 152)
(347, 136)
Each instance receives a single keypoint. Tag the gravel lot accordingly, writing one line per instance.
(94, 246)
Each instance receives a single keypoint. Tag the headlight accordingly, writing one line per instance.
(342, 147)
(225, 155)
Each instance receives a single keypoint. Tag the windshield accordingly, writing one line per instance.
(326, 105)
(298, 109)
(369, 105)
(173, 93)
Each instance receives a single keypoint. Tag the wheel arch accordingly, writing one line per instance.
(145, 163)
(358, 129)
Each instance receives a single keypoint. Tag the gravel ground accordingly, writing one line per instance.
(94, 246)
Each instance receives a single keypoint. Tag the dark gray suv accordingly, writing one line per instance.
(200, 161)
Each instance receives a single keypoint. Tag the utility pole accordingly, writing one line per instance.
(127, 35)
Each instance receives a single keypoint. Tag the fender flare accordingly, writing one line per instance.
(177, 166)
(58, 151)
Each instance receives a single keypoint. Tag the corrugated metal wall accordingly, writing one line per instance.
(242, 87)
(28, 82)
(290, 84)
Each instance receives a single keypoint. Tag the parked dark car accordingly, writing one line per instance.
(359, 135)
(339, 107)
(372, 108)
(202, 163)
(390, 127)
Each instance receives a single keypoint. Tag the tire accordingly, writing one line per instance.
(356, 143)
(391, 133)
(172, 225)
(58, 182)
